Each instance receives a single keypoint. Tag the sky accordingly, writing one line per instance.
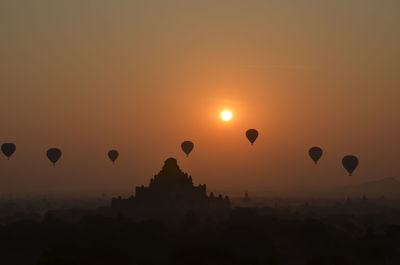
(143, 76)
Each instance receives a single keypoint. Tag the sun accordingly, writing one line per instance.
(226, 115)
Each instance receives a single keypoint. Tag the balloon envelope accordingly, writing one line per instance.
(8, 149)
(315, 153)
(252, 135)
(113, 155)
(54, 154)
(187, 147)
(350, 163)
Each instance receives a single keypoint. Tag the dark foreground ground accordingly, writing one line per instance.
(342, 234)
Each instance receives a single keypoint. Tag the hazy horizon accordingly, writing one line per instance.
(143, 76)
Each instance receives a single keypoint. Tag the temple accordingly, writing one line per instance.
(171, 193)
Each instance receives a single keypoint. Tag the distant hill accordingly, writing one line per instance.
(385, 186)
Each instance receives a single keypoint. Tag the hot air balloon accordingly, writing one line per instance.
(315, 153)
(8, 149)
(350, 163)
(252, 135)
(187, 147)
(113, 155)
(54, 154)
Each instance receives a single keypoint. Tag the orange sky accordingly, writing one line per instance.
(142, 76)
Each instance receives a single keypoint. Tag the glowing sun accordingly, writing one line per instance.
(226, 115)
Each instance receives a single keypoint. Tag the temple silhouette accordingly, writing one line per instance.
(170, 195)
